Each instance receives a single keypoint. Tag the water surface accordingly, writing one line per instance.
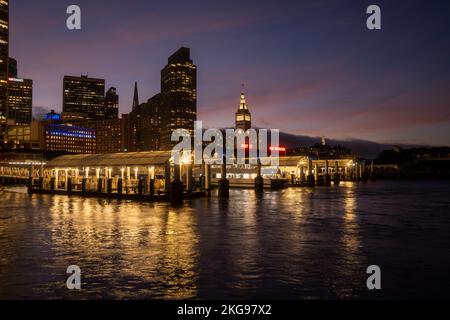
(289, 244)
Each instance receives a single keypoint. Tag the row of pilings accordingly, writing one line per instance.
(359, 173)
(175, 190)
(12, 181)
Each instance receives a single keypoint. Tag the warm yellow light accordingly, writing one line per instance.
(186, 159)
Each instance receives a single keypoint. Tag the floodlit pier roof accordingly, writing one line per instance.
(151, 158)
(292, 161)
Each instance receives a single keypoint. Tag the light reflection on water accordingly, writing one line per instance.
(294, 243)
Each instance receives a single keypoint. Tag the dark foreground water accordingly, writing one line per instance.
(294, 244)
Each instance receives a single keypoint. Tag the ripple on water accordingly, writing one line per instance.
(293, 243)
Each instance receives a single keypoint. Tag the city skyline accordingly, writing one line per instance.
(302, 67)
(230, 158)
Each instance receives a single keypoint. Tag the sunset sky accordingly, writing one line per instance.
(310, 67)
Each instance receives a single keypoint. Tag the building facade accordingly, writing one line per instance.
(178, 96)
(12, 68)
(71, 139)
(4, 54)
(109, 138)
(61, 133)
(147, 122)
(20, 100)
(111, 104)
(84, 95)
(128, 135)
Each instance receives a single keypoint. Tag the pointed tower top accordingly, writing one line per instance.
(243, 118)
(243, 102)
(136, 96)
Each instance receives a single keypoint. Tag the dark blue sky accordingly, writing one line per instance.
(310, 67)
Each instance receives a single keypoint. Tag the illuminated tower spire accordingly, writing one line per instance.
(243, 102)
(243, 116)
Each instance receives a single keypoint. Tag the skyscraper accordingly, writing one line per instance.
(243, 118)
(4, 47)
(111, 104)
(84, 95)
(135, 97)
(20, 100)
(147, 120)
(12, 68)
(178, 96)
(108, 134)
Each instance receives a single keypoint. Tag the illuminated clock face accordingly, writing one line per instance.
(247, 118)
(239, 118)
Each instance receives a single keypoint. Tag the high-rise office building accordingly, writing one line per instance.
(128, 135)
(20, 100)
(110, 134)
(84, 95)
(135, 97)
(4, 54)
(151, 124)
(12, 68)
(178, 96)
(111, 104)
(243, 118)
(147, 124)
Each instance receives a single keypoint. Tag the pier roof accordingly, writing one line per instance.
(292, 161)
(150, 158)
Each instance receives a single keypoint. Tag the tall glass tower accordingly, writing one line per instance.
(84, 95)
(179, 96)
(4, 46)
(111, 104)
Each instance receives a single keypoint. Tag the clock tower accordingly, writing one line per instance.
(243, 116)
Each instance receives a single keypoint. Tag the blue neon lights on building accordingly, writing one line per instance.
(70, 131)
(52, 116)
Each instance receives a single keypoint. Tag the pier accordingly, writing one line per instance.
(152, 176)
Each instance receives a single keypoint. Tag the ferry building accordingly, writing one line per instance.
(293, 170)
